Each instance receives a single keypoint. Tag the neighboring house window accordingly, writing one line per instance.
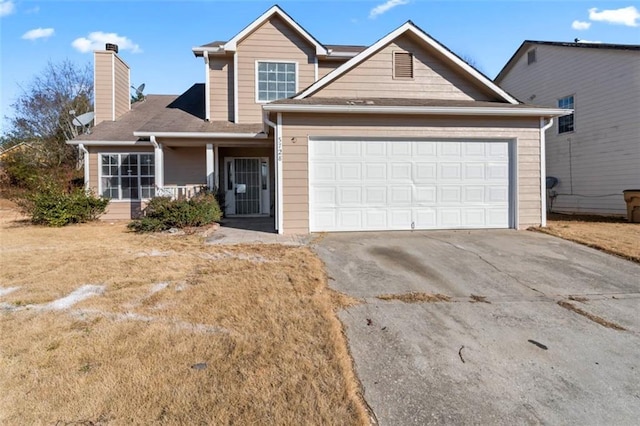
(276, 80)
(127, 176)
(531, 56)
(565, 123)
(402, 65)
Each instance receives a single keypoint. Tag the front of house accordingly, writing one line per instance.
(399, 135)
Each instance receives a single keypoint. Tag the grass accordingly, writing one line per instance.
(610, 234)
(415, 297)
(182, 333)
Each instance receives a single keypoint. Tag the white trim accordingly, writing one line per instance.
(85, 160)
(107, 143)
(207, 84)
(208, 49)
(231, 45)
(158, 163)
(273, 61)
(113, 87)
(210, 161)
(216, 168)
(280, 185)
(120, 153)
(434, 110)
(236, 108)
(197, 135)
(315, 71)
(96, 118)
(365, 54)
(129, 85)
(543, 170)
(513, 180)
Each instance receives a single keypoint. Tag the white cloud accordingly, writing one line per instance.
(624, 16)
(385, 7)
(97, 39)
(37, 33)
(7, 7)
(580, 25)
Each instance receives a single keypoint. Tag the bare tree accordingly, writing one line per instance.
(42, 111)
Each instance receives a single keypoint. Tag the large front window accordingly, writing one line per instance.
(127, 176)
(565, 123)
(275, 80)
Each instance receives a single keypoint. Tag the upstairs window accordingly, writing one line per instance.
(402, 65)
(531, 56)
(275, 80)
(566, 123)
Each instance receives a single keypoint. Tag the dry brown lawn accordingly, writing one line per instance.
(611, 234)
(172, 331)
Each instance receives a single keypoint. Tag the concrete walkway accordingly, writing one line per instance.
(252, 230)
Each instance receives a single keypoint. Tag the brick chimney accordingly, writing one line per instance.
(111, 84)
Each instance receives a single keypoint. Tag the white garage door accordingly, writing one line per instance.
(366, 185)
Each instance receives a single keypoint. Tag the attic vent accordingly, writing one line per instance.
(531, 56)
(402, 65)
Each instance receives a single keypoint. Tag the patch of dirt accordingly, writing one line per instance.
(613, 235)
(478, 299)
(415, 297)
(599, 320)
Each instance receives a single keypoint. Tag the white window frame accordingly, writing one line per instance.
(139, 176)
(275, 61)
(573, 114)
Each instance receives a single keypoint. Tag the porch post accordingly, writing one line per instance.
(211, 157)
(158, 162)
(216, 167)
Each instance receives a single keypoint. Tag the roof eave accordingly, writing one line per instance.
(106, 142)
(198, 135)
(421, 110)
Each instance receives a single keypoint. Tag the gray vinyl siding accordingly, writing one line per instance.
(601, 157)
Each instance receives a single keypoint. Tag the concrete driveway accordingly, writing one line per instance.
(501, 350)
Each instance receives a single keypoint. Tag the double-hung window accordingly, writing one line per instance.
(566, 123)
(275, 80)
(127, 176)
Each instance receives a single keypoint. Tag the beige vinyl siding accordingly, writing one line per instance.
(272, 41)
(325, 67)
(185, 166)
(103, 87)
(297, 128)
(433, 78)
(122, 87)
(111, 77)
(221, 87)
(601, 157)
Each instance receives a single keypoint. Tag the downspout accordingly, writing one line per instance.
(543, 169)
(207, 84)
(85, 159)
(158, 162)
(276, 137)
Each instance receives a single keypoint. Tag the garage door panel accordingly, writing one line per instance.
(400, 184)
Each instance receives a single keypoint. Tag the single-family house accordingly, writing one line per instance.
(593, 153)
(399, 135)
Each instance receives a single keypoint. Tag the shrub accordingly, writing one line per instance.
(163, 213)
(52, 206)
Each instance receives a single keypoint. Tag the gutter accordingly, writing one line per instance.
(543, 170)
(424, 110)
(198, 135)
(108, 143)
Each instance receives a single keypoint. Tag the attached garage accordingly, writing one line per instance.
(369, 184)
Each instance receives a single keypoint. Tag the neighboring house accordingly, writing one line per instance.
(402, 134)
(595, 152)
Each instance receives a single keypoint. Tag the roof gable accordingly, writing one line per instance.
(232, 44)
(456, 62)
(527, 44)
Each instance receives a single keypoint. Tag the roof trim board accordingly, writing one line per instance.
(231, 45)
(195, 135)
(422, 110)
(412, 28)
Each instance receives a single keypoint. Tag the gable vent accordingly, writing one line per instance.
(402, 65)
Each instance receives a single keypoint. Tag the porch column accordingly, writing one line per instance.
(158, 159)
(211, 160)
(216, 168)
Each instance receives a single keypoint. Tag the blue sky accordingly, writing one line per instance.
(156, 36)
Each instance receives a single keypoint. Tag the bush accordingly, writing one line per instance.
(163, 213)
(53, 206)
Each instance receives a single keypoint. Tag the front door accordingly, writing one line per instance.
(247, 186)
